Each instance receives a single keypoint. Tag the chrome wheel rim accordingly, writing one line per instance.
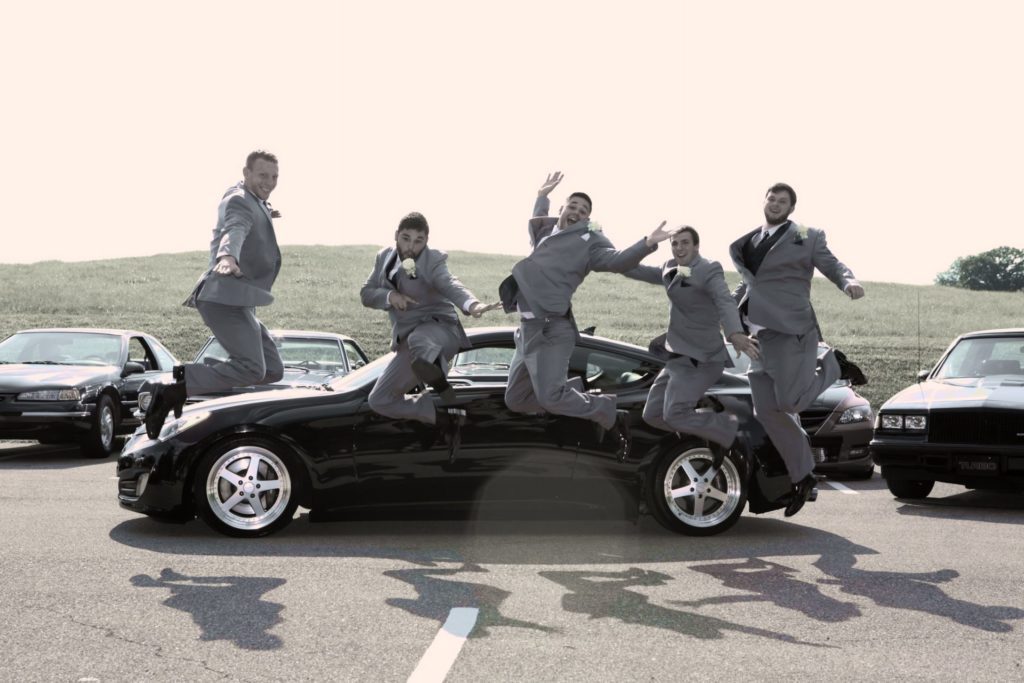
(248, 488)
(106, 423)
(698, 496)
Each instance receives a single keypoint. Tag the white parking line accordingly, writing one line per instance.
(439, 657)
(842, 488)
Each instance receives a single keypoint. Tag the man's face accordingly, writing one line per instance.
(576, 210)
(683, 248)
(410, 243)
(777, 207)
(261, 179)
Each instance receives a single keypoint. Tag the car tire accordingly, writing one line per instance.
(101, 440)
(682, 499)
(910, 488)
(247, 487)
(863, 474)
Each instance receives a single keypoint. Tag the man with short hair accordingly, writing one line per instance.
(776, 262)
(412, 283)
(700, 306)
(244, 263)
(540, 289)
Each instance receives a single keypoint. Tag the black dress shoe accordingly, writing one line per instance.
(849, 370)
(432, 374)
(165, 398)
(619, 435)
(801, 494)
(449, 423)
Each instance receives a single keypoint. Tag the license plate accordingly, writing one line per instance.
(985, 465)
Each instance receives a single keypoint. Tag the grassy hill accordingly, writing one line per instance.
(891, 333)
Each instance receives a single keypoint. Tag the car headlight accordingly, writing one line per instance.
(901, 423)
(917, 423)
(855, 414)
(175, 427)
(51, 395)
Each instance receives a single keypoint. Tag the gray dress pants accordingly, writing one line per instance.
(252, 355)
(672, 401)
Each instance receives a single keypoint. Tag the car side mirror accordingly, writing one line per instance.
(922, 375)
(132, 368)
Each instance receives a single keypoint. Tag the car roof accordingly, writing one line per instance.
(484, 332)
(88, 330)
(309, 334)
(1008, 332)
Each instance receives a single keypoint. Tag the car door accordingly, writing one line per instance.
(139, 352)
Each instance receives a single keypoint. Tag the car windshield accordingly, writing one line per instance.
(363, 376)
(61, 348)
(984, 357)
(302, 352)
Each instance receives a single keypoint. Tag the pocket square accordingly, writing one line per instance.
(585, 236)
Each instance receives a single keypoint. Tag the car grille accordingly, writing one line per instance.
(977, 427)
(813, 419)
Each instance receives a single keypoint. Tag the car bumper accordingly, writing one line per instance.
(149, 480)
(844, 451)
(32, 421)
(968, 464)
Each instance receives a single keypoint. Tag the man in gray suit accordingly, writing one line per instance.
(412, 283)
(244, 262)
(540, 289)
(700, 307)
(776, 262)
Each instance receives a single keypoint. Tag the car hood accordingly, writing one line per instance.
(255, 398)
(834, 396)
(22, 377)
(966, 392)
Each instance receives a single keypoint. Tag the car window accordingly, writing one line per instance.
(609, 371)
(984, 357)
(356, 357)
(489, 363)
(138, 352)
(66, 348)
(308, 352)
(163, 357)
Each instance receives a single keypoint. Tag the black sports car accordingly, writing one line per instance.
(245, 463)
(310, 359)
(962, 423)
(75, 385)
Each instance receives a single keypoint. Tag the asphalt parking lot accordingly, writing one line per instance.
(858, 586)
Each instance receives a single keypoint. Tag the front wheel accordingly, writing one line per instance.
(687, 496)
(101, 439)
(247, 487)
(910, 488)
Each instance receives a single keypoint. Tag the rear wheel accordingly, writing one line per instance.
(247, 487)
(910, 488)
(687, 496)
(102, 437)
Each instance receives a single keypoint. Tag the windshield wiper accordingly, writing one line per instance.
(43, 362)
(297, 367)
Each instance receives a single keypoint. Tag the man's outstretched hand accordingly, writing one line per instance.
(661, 233)
(550, 184)
(478, 309)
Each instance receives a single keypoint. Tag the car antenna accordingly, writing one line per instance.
(918, 330)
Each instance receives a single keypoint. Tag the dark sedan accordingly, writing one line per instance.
(838, 424)
(310, 359)
(962, 423)
(245, 463)
(75, 385)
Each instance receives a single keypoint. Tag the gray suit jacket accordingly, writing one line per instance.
(436, 290)
(244, 230)
(700, 307)
(779, 296)
(549, 276)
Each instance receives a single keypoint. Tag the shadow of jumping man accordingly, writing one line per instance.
(223, 607)
(437, 597)
(606, 595)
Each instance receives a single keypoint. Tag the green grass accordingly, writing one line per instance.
(891, 333)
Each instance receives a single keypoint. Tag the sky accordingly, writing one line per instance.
(899, 124)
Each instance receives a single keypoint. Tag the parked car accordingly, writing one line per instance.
(76, 385)
(961, 423)
(839, 424)
(311, 359)
(244, 463)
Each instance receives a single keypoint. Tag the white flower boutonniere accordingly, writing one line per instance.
(801, 233)
(594, 226)
(409, 266)
(684, 271)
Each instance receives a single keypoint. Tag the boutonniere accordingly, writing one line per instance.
(801, 233)
(684, 271)
(409, 266)
(594, 226)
